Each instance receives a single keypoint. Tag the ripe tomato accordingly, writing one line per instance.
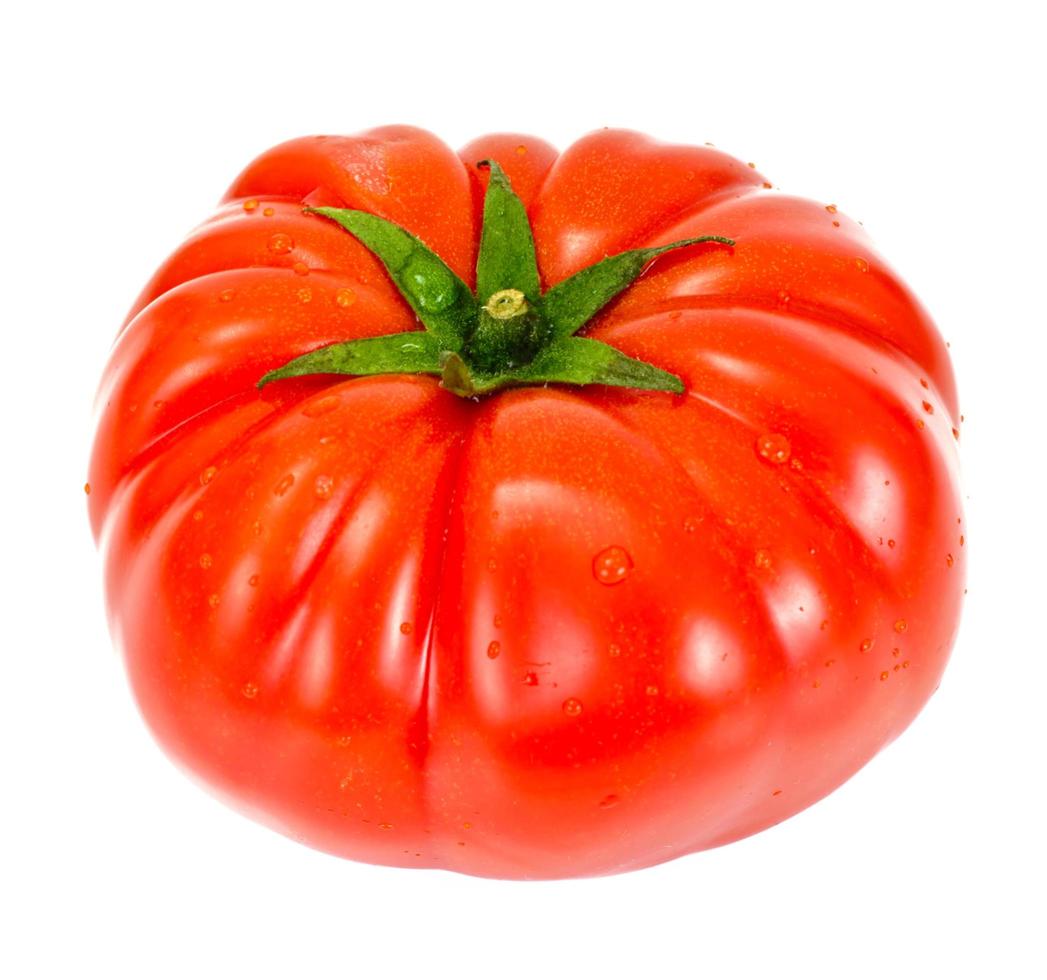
(565, 625)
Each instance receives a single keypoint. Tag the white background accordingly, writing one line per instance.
(122, 127)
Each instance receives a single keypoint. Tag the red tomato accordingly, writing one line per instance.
(556, 630)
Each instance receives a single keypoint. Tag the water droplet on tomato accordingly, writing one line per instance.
(305, 295)
(923, 383)
(249, 690)
(651, 690)
(213, 599)
(774, 448)
(300, 269)
(206, 561)
(521, 150)
(884, 675)
(900, 626)
(385, 826)
(250, 204)
(345, 297)
(891, 542)
(493, 649)
(572, 707)
(406, 628)
(865, 645)
(321, 406)
(269, 212)
(226, 295)
(432, 288)
(612, 565)
(763, 559)
(611, 799)
(87, 488)
(831, 208)
(253, 581)
(928, 407)
(284, 485)
(323, 487)
(949, 560)
(862, 264)
(961, 540)
(280, 243)
(614, 650)
(207, 475)
(531, 679)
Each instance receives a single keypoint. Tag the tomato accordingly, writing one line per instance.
(517, 600)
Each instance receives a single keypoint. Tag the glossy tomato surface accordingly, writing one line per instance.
(556, 631)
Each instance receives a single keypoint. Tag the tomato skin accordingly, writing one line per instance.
(371, 613)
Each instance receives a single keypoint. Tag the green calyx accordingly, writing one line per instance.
(509, 332)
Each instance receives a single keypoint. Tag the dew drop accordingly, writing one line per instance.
(385, 826)
(321, 406)
(323, 487)
(284, 485)
(253, 581)
(900, 626)
(433, 288)
(612, 565)
(614, 650)
(493, 649)
(531, 679)
(865, 645)
(198, 515)
(345, 297)
(961, 540)
(226, 295)
(251, 204)
(249, 690)
(207, 475)
(891, 542)
(831, 208)
(305, 295)
(269, 212)
(213, 599)
(862, 265)
(87, 488)
(884, 675)
(521, 150)
(949, 560)
(611, 799)
(763, 559)
(206, 561)
(406, 628)
(928, 407)
(836, 224)
(651, 690)
(774, 448)
(572, 707)
(766, 185)
(280, 243)
(300, 269)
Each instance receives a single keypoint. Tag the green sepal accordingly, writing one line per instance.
(440, 299)
(414, 352)
(569, 305)
(576, 361)
(507, 258)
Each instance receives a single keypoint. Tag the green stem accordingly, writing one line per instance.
(509, 333)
